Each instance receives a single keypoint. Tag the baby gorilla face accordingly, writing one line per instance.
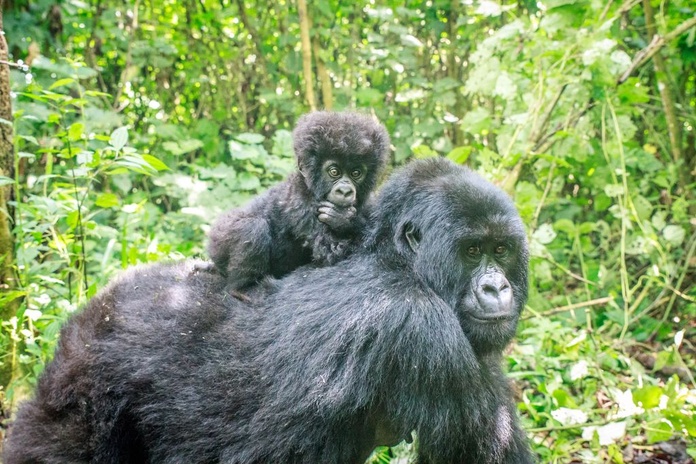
(342, 181)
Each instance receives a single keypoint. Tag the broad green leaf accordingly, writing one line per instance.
(613, 190)
(565, 225)
(674, 234)
(182, 146)
(476, 121)
(648, 397)
(544, 234)
(282, 144)
(660, 431)
(5, 181)
(75, 131)
(248, 181)
(460, 154)
(107, 200)
(250, 138)
(119, 138)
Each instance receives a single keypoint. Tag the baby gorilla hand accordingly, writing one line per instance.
(339, 219)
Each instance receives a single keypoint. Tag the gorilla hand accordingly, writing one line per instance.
(338, 219)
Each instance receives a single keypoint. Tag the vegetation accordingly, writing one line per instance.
(134, 125)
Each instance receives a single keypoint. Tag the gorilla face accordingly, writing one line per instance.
(493, 281)
(471, 249)
(341, 180)
(340, 155)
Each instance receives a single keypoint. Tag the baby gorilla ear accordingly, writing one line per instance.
(408, 239)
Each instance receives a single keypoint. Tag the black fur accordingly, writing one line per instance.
(164, 367)
(296, 222)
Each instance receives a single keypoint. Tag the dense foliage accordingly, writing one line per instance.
(136, 124)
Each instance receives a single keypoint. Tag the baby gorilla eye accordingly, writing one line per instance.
(500, 250)
(473, 250)
(356, 173)
(334, 171)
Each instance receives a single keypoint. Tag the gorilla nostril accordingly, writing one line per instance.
(490, 289)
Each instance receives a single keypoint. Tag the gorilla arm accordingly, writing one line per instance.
(239, 245)
(440, 389)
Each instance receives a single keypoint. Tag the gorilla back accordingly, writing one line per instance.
(405, 335)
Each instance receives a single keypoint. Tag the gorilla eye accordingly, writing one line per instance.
(500, 250)
(333, 171)
(473, 250)
(356, 173)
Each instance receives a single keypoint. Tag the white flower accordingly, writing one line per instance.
(624, 400)
(579, 370)
(567, 416)
(607, 434)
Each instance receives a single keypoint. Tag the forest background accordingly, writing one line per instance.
(127, 127)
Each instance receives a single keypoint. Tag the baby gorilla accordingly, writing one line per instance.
(318, 214)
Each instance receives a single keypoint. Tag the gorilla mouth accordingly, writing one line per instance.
(493, 318)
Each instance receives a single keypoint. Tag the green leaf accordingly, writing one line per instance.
(565, 225)
(248, 181)
(369, 96)
(282, 144)
(75, 131)
(476, 121)
(460, 154)
(661, 431)
(648, 397)
(183, 146)
(643, 207)
(119, 138)
(107, 200)
(242, 151)
(423, 151)
(249, 138)
(135, 163)
(544, 234)
(5, 181)
(155, 163)
(613, 190)
(61, 83)
(73, 219)
(29, 138)
(96, 93)
(674, 234)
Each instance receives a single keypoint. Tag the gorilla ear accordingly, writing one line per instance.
(411, 235)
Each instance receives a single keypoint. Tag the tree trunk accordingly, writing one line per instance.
(7, 276)
(306, 54)
(663, 85)
(324, 77)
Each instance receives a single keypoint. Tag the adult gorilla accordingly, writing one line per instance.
(163, 367)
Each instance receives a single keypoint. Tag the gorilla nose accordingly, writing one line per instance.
(494, 294)
(344, 192)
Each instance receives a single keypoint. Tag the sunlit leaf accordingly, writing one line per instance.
(119, 138)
